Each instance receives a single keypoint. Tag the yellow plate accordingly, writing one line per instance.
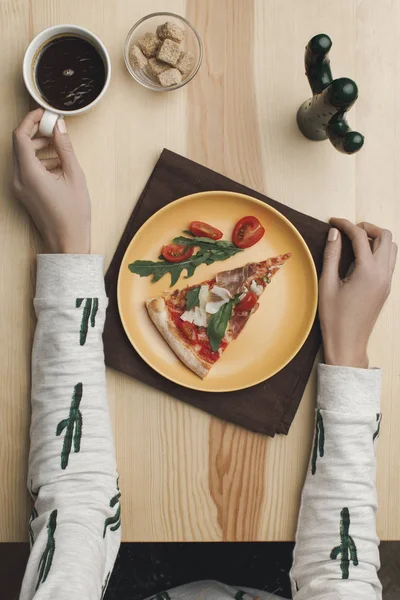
(273, 335)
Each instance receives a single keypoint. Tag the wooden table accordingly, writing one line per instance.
(184, 475)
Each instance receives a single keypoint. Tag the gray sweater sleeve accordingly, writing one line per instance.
(75, 523)
(336, 555)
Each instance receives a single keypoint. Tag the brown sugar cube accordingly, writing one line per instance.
(170, 77)
(156, 66)
(169, 52)
(138, 59)
(170, 31)
(185, 62)
(149, 44)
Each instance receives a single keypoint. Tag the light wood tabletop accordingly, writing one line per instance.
(184, 475)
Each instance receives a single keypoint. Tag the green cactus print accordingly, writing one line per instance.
(162, 596)
(378, 429)
(48, 554)
(34, 515)
(239, 595)
(104, 588)
(114, 522)
(319, 444)
(73, 427)
(347, 547)
(89, 314)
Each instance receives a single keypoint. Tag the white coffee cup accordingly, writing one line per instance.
(51, 114)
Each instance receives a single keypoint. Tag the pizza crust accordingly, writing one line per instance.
(158, 314)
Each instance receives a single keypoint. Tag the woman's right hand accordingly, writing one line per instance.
(53, 190)
(348, 308)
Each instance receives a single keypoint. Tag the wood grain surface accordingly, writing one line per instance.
(184, 475)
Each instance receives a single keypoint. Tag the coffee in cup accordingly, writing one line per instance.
(69, 72)
(66, 70)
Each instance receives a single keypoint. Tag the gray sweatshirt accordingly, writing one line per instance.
(75, 526)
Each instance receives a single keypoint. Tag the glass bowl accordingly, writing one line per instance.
(191, 43)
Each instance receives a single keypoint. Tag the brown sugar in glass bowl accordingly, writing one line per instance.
(159, 34)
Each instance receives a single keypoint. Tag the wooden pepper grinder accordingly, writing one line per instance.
(324, 115)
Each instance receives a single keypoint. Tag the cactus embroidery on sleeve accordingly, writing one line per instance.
(48, 554)
(162, 596)
(34, 515)
(347, 547)
(114, 522)
(89, 314)
(319, 444)
(73, 427)
(378, 429)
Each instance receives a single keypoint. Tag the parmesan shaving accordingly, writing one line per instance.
(213, 307)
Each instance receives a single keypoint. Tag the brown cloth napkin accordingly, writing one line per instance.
(268, 407)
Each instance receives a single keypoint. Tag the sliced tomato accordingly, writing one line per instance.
(189, 331)
(248, 302)
(176, 253)
(248, 231)
(200, 229)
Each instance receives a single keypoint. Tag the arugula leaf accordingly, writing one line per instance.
(144, 268)
(208, 243)
(236, 299)
(188, 232)
(192, 298)
(218, 323)
(209, 252)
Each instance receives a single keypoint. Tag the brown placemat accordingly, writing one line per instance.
(268, 407)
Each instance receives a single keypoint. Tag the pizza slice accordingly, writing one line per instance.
(200, 321)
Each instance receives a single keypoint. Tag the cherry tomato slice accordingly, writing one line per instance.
(200, 229)
(248, 302)
(188, 330)
(176, 253)
(248, 231)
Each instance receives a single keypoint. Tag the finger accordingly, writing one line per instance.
(358, 237)
(24, 149)
(333, 251)
(64, 149)
(29, 122)
(51, 163)
(393, 257)
(34, 131)
(381, 238)
(40, 143)
(16, 169)
(57, 172)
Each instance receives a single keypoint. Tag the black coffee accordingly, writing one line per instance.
(70, 73)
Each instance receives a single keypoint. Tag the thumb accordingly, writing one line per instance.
(333, 251)
(64, 148)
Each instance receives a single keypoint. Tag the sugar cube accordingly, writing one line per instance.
(169, 52)
(138, 59)
(170, 77)
(156, 66)
(170, 31)
(149, 44)
(185, 62)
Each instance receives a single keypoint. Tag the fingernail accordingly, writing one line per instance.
(62, 128)
(333, 234)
